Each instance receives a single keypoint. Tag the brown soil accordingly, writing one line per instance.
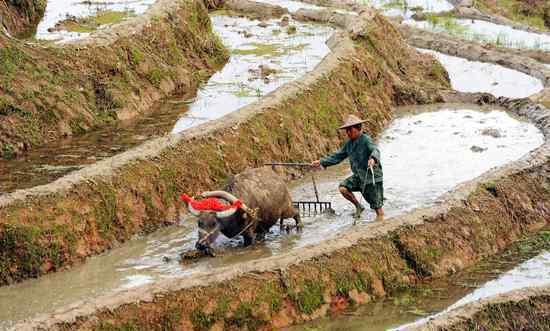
(52, 91)
(391, 255)
(21, 17)
(534, 13)
(47, 228)
(526, 309)
(526, 61)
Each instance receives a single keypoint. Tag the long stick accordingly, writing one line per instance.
(315, 187)
(282, 164)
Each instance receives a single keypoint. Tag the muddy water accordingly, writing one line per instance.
(532, 273)
(294, 6)
(291, 5)
(262, 59)
(406, 8)
(471, 76)
(482, 31)
(405, 309)
(463, 152)
(45, 164)
(239, 83)
(58, 10)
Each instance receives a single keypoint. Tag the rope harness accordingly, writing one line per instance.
(212, 205)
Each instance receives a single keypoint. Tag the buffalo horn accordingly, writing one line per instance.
(231, 198)
(220, 194)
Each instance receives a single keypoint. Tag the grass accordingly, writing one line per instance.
(515, 10)
(310, 298)
(451, 26)
(91, 23)
(260, 50)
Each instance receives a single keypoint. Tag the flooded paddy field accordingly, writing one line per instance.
(514, 269)
(471, 76)
(295, 5)
(259, 63)
(102, 12)
(470, 141)
(406, 8)
(485, 32)
(264, 56)
(292, 5)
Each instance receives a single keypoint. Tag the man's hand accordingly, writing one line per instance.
(371, 163)
(316, 164)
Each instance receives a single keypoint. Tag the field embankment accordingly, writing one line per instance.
(48, 91)
(20, 17)
(534, 13)
(478, 219)
(526, 309)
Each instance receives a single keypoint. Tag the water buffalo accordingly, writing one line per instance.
(265, 199)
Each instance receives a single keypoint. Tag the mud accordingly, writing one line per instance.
(466, 12)
(519, 14)
(466, 225)
(525, 264)
(49, 92)
(21, 17)
(525, 308)
(119, 203)
(58, 10)
(484, 32)
(237, 84)
(283, 56)
(508, 42)
(287, 294)
(407, 8)
(143, 261)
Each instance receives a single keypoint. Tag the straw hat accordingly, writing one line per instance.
(351, 121)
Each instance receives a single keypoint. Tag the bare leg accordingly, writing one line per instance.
(351, 198)
(379, 214)
(348, 195)
(298, 220)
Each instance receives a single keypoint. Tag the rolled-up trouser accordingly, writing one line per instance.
(373, 194)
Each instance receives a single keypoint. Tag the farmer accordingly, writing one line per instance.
(364, 159)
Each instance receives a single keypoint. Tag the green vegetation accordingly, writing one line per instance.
(310, 296)
(535, 13)
(451, 26)
(260, 50)
(202, 321)
(10, 60)
(347, 282)
(91, 23)
(394, 4)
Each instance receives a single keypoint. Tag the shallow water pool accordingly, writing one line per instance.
(486, 32)
(262, 59)
(59, 10)
(472, 76)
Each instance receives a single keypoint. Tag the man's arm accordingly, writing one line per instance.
(374, 151)
(335, 158)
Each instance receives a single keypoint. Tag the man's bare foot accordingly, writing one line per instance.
(358, 211)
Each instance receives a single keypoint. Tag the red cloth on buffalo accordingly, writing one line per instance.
(213, 204)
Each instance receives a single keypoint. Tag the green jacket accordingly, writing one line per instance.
(359, 153)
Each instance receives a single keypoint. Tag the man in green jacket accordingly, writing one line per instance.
(366, 167)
